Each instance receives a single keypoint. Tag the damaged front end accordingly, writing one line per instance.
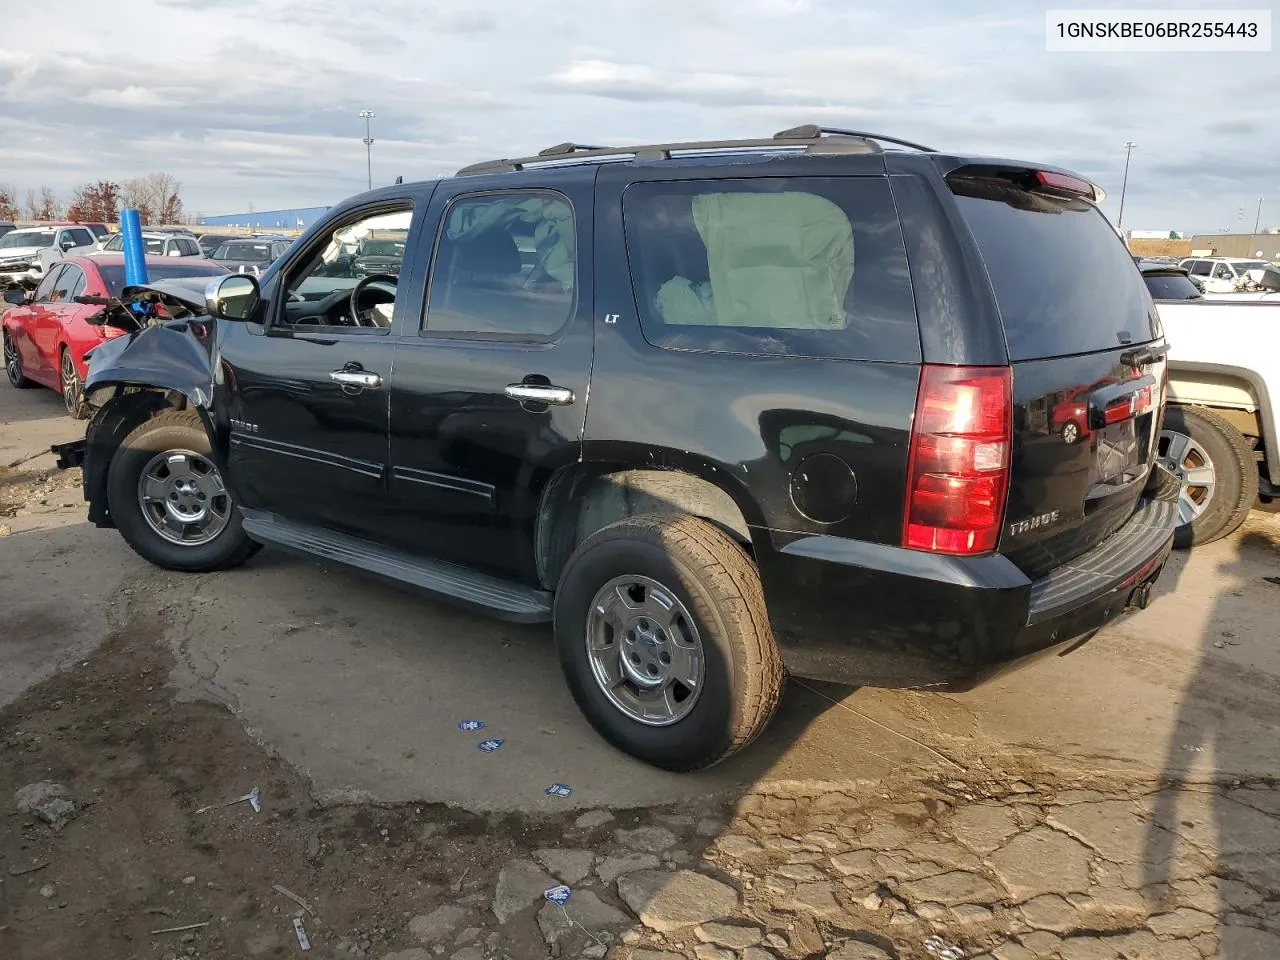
(164, 361)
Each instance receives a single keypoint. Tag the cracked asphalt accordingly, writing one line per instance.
(1117, 802)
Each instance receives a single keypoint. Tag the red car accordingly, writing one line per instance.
(46, 333)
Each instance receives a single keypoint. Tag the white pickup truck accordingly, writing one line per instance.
(1219, 432)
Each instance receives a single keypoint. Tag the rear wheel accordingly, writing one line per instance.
(168, 499)
(665, 642)
(1215, 465)
(13, 364)
(72, 387)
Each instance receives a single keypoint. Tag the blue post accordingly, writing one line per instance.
(135, 252)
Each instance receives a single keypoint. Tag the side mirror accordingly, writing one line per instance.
(66, 244)
(175, 252)
(233, 297)
(15, 296)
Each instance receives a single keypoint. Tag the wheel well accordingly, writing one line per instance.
(130, 406)
(582, 499)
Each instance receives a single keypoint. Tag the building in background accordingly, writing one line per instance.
(298, 218)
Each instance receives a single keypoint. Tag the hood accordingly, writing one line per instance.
(189, 291)
(19, 253)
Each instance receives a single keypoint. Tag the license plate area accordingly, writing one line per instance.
(1120, 457)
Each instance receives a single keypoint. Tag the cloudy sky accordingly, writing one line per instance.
(255, 102)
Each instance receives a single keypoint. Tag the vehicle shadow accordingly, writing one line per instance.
(1212, 803)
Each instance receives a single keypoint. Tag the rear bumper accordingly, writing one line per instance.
(862, 613)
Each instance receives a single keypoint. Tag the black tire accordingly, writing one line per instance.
(72, 386)
(1235, 486)
(171, 430)
(13, 365)
(717, 583)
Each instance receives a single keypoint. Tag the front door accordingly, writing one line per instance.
(489, 393)
(307, 390)
(37, 348)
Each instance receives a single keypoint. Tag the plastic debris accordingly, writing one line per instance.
(252, 798)
(558, 790)
(286, 892)
(558, 895)
(303, 942)
(489, 746)
(939, 948)
(189, 926)
(466, 726)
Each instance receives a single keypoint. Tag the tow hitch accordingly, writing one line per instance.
(69, 454)
(1141, 596)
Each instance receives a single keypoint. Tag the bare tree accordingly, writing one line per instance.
(9, 203)
(42, 205)
(157, 197)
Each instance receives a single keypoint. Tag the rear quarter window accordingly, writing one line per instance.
(803, 267)
(1063, 280)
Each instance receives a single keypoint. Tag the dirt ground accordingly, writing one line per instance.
(1121, 804)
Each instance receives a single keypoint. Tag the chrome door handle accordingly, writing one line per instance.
(539, 393)
(355, 378)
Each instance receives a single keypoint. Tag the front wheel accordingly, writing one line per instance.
(168, 500)
(665, 642)
(1215, 466)
(13, 364)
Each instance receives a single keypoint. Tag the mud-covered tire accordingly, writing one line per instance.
(1235, 474)
(716, 582)
(172, 430)
(13, 364)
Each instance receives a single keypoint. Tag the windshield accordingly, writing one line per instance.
(113, 274)
(382, 248)
(27, 238)
(244, 251)
(1171, 286)
(1250, 265)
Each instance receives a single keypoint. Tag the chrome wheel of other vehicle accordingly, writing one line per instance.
(645, 651)
(70, 384)
(1191, 464)
(1070, 433)
(183, 498)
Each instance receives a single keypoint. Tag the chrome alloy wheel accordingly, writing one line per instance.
(12, 362)
(183, 498)
(1189, 461)
(70, 384)
(645, 652)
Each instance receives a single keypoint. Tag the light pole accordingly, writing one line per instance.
(1124, 185)
(1258, 219)
(366, 116)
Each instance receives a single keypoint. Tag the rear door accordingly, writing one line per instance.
(1088, 368)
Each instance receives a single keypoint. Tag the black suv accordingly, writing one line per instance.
(712, 408)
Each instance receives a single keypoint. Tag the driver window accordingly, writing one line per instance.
(348, 279)
(1222, 272)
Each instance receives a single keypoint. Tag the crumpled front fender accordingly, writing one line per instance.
(170, 356)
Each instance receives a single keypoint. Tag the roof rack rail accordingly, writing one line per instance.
(809, 131)
(815, 140)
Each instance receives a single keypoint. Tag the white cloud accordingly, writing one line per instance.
(250, 102)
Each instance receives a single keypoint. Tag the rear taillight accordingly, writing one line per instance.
(958, 466)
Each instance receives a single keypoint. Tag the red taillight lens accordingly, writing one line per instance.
(1061, 181)
(958, 470)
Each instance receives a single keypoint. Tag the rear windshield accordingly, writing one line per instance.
(251, 252)
(1063, 280)
(1171, 286)
(113, 274)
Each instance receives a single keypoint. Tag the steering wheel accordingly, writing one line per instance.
(358, 290)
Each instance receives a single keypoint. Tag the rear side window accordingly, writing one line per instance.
(1062, 278)
(505, 268)
(802, 267)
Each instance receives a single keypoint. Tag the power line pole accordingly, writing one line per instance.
(367, 116)
(1124, 186)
